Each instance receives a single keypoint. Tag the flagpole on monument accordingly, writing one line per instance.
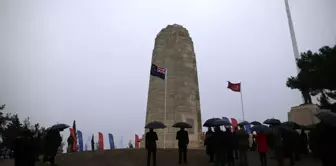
(242, 103)
(165, 108)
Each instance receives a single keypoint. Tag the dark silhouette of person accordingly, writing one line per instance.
(325, 143)
(209, 143)
(52, 141)
(303, 143)
(92, 143)
(262, 147)
(254, 143)
(289, 146)
(235, 143)
(151, 138)
(183, 140)
(296, 147)
(228, 136)
(219, 147)
(23, 149)
(70, 141)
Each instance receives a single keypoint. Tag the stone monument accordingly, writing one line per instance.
(174, 50)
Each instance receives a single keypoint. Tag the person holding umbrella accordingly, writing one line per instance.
(208, 142)
(183, 140)
(150, 139)
(53, 140)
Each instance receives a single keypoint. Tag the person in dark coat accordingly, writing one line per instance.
(219, 147)
(183, 140)
(289, 146)
(151, 138)
(92, 143)
(303, 143)
(24, 149)
(209, 143)
(235, 143)
(297, 150)
(228, 137)
(325, 143)
(70, 141)
(53, 140)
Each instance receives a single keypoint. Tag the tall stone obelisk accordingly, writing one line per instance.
(174, 51)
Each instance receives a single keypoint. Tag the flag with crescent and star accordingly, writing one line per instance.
(234, 86)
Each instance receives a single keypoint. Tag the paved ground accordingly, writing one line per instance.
(137, 157)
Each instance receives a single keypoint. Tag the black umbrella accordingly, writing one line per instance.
(182, 125)
(58, 127)
(221, 122)
(209, 122)
(155, 125)
(283, 128)
(272, 121)
(327, 117)
(261, 128)
(256, 123)
(292, 125)
(308, 127)
(243, 123)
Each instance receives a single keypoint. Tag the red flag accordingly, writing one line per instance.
(74, 146)
(100, 141)
(137, 141)
(234, 123)
(234, 86)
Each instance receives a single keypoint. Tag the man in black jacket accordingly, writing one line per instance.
(151, 138)
(183, 140)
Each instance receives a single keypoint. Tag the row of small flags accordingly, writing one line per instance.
(79, 140)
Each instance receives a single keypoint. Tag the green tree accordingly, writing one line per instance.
(12, 130)
(317, 76)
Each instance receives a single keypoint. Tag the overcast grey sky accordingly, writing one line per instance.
(90, 60)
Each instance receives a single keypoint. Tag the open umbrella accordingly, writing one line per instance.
(60, 126)
(221, 122)
(155, 125)
(182, 125)
(292, 125)
(272, 121)
(243, 123)
(308, 127)
(256, 123)
(209, 122)
(283, 128)
(327, 117)
(261, 128)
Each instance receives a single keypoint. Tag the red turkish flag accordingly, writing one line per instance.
(234, 86)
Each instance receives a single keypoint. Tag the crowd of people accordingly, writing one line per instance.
(27, 148)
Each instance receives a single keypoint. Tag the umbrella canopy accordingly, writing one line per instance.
(327, 117)
(243, 123)
(261, 128)
(272, 121)
(308, 127)
(292, 125)
(284, 128)
(209, 122)
(58, 127)
(221, 122)
(182, 125)
(155, 125)
(256, 123)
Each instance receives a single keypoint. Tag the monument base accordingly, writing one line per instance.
(304, 114)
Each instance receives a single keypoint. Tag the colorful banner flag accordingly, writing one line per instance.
(72, 132)
(137, 141)
(100, 141)
(80, 140)
(234, 86)
(234, 124)
(111, 140)
(74, 148)
(158, 71)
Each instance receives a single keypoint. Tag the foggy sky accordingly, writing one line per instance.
(90, 60)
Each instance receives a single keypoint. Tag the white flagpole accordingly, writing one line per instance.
(242, 103)
(165, 108)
